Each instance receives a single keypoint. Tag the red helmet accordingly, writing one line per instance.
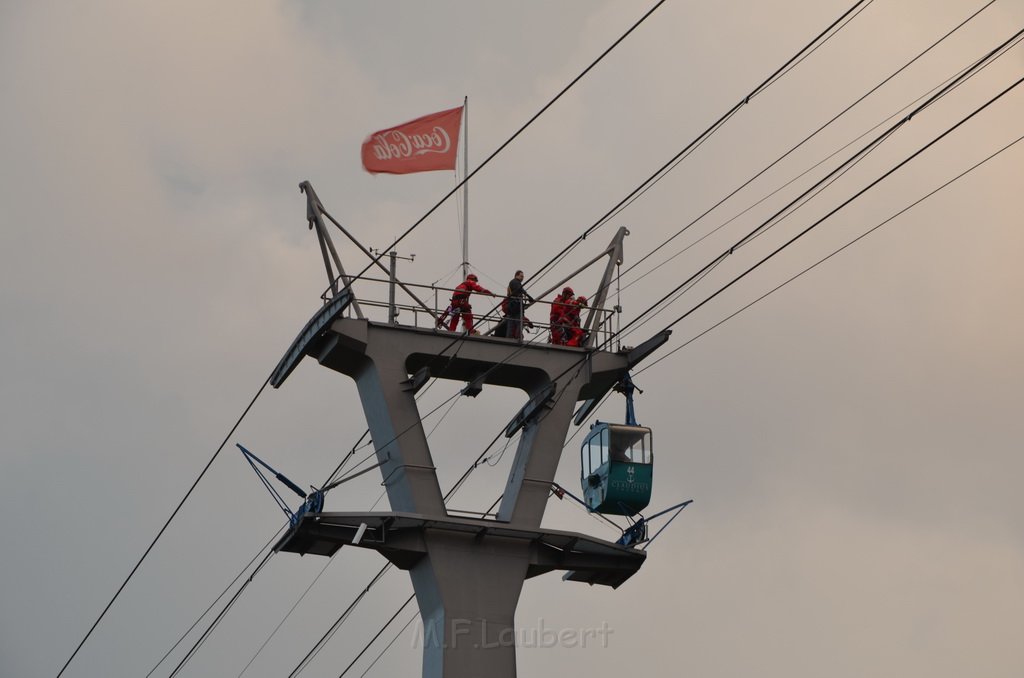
(472, 276)
(581, 300)
(567, 292)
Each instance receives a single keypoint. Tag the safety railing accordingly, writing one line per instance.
(406, 304)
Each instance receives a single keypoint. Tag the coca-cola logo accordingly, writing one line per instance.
(397, 144)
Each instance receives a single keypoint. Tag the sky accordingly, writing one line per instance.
(852, 442)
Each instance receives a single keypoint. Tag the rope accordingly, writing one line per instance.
(832, 254)
(164, 528)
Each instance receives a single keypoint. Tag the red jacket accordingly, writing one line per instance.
(559, 308)
(460, 297)
(571, 317)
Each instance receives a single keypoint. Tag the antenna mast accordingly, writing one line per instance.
(465, 187)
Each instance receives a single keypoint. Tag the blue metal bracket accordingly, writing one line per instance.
(313, 502)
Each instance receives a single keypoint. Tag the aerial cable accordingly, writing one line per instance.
(678, 510)
(287, 615)
(847, 201)
(329, 485)
(376, 260)
(447, 496)
(833, 253)
(793, 180)
(216, 600)
(166, 524)
(511, 138)
(496, 458)
(804, 141)
(388, 623)
(985, 61)
(359, 444)
(388, 646)
(667, 302)
(448, 276)
(866, 149)
(351, 476)
(818, 164)
(337, 623)
(651, 313)
(934, 141)
(494, 154)
(582, 505)
(454, 191)
(348, 456)
(515, 135)
(399, 239)
(378, 634)
(346, 670)
(312, 654)
(797, 62)
(465, 475)
(988, 60)
(359, 463)
(265, 546)
(216, 622)
(675, 163)
(706, 134)
(701, 137)
(492, 506)
(334, 627)
(956, 81)
(791, 63)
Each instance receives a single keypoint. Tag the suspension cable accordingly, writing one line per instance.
(515, 135)
(703, 136)
(216, 622)
(448, 495)
(746, 100)
(801, 143)
(215, 601)
(848, 201)
(866, 149)
(820, 261)
(834, 253)
(166, 524)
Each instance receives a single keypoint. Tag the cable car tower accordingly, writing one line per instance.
(467, 573)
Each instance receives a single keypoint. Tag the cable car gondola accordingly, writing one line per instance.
(617, 463)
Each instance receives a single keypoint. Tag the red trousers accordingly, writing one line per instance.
(575, 337)
(467, 318)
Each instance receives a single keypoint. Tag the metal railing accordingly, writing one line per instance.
(421, 306)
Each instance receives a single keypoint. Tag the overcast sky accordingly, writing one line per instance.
(852, 442)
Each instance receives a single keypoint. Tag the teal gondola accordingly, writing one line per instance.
(617, 463)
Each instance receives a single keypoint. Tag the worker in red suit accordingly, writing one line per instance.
(460, 304)
(560, 306)
(575, 335)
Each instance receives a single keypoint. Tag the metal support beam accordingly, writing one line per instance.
(314, 215)
(614, 253)
(392, 279)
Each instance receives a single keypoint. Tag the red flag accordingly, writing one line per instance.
(420, 145)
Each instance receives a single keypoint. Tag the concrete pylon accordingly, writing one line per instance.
(467, 573)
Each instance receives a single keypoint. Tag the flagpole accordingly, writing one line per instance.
(465, 187)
